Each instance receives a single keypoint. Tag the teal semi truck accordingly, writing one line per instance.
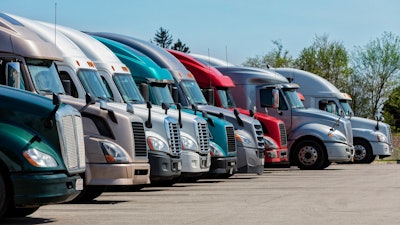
(154, 82)
(248, 131)
(115, 145)
(41, 151)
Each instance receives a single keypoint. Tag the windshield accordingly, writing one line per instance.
(193, 92)
(128, 89)
(160, 93)
(346, 107)
(45, 76)
(92, 83)
(226, 98)
(292, 98)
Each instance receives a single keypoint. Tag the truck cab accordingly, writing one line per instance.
(217, 90)
(116, 151)
(248, 131)
(370, 138)
(315, 138)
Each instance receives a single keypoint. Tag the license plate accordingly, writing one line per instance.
(79, 184)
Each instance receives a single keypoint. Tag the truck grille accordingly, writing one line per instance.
(259, 136)
(203, 136)
(70, 130)
(174, 137)
(282, 131)
(230, 134)
(139, 139)
(388, 134)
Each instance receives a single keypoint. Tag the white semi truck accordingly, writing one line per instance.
(370, 138)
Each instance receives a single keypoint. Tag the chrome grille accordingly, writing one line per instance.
(230, 134)
(139, 139)
(282, 131)
(259, 136)
(70, 130)
(388, 134)
(174, 137)
(203, 136)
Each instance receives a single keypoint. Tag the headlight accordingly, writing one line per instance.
(39, 159)
(216, 150)
(270, 143)
(188, 144)
(114, 153)
(272, 154)
(338, 136)
(156, 144)
(381, 137)
(242, 139)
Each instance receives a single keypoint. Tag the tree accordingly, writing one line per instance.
(163, 38)
(327, 59)
(179, 46)
(376, 71)
(275, 58)
(391, 109)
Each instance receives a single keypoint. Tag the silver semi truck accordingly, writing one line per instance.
(370, 138)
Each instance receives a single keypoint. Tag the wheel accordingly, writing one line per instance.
(362, 152)
(310, 155)
(89, 193)
(4, 196)
(20, 212)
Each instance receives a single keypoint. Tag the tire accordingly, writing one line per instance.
(309, 155)
(89, 193)
(362, 152)
(4, 196)
(20, 212)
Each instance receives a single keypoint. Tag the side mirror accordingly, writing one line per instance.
(208, 95)
(175, 94)
(144, 90)
(90, 100)
(269, 98)
(13, 71)
(275, 98)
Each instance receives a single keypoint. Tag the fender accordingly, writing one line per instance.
(18, 140)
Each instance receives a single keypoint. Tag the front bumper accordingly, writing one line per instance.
(223, 165)
(339, 152)
(250, 160)
(163, 166)
(35, 189)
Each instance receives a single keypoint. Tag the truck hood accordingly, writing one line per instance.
(364, 123)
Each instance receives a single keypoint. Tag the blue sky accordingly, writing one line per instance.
(241, 29)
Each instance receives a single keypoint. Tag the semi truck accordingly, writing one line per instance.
(162, 136)
(217, 90)
(370, 138)
(315, 138)
(248, 131)
(115, 146)
(41, 150)
(195, 159)
(154, 82)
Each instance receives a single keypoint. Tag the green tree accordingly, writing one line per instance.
(376, 71)
(391, 109)
(278, 57)
(179, 46)
(327, 59)
(163, 38)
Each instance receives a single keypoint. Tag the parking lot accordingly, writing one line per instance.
(340, 194)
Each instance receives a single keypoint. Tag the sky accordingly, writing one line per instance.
(232, 30)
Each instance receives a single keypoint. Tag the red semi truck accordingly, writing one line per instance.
(216, 89)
